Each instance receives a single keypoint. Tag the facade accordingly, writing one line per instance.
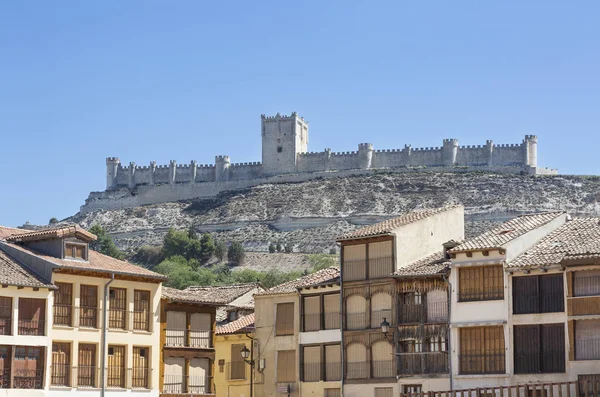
(376, 292)
(277, 335)
(233, 377)
(285, 158)
(91, 293)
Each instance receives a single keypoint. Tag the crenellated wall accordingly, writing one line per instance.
(285, 143)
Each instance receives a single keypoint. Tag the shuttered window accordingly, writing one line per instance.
(88, 312)
(116, 366)
(284, 322)
(312, 313)
(63, 304)
(586, 283)
(331, 307)
(384, 392)
(139, 376)
(332, 393)
(141, 310)
(333, 362)
(356, 312)
(311, 371)
(32, 315)
(117, 308)
(200, 330)
(381, 308)
(356, 361)
(174, 376)
(587, 340)
(28, 367)
(481, 283)
(538, 294)
(482, 350)
(86, 369)
(355, 262)
(198, 380)
(5, 315)
(237, 366)
(380, 259)
(76, 251)
(61, 364)
(286, 366)
(539, 348)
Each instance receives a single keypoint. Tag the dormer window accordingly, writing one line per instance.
(75, 251)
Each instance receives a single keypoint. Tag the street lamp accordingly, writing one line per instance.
(385, 326)
(245, 353)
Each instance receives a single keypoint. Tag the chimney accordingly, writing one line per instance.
(448, 245)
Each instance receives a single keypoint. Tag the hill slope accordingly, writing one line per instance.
(311, 214)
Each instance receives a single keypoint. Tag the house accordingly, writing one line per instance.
(233, 374)
(277, 334)
(104, 324)
(384, 327)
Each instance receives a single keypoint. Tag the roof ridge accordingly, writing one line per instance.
(257, 283)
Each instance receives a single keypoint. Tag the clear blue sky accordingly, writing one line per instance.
(160, 80)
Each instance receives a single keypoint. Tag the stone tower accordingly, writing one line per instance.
(112, 167)
(283, 137)
(530, 146)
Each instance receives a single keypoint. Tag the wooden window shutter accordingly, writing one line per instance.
(286, 366)
(60, 368)
(237, 369)
(527, 349)
(312, 313)
(553, 348)
(284, 322)
(311, 363)
(525, 295)
(470, 283)
(552, 293)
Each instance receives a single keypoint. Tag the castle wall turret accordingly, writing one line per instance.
(530, 143)
(222, 164)
(112, 167)
(365, 155)
(449, 151)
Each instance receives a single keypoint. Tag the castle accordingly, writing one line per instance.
(285, 158)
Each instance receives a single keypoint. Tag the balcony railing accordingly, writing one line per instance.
(410, 314)
(380, 267)
(320, 321)
(5, 378)
(31, 327)
(188, 338)
(356, 321)
(236, 370)
(63, 315)
(477, 294)
(140, 320)
(378, 316)
(5, 326)
(115, 377)
(60, 375)
(333, 371)
(482, 363)
(180, 384)
(355, 270)
(87, 375)
(117, 318)
(311, 372)
(140, 377)
(357, 370)
(423, 363)
(88, 316)
(383, 369)
(28, 379)
(586, 349)
(587, 286)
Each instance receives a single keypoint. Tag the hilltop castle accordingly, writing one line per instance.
(285, 158)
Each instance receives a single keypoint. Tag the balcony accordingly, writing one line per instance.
(333, 371)
(181, 384)
(5, 326)
(380, 267)
(476, 294)
(320, 321)
(356, 321)
(31, 327)
(60, 375)
(117, 318)
(383, 369)
(201, 339)
(357, 370)
(140, 320)
(88, 377)
(28, 379)
(583, 306)
(488, 363)
(88, 316)
(63, 315)
(313, 372)
(423, 363)
(5, 378)
(355, 270)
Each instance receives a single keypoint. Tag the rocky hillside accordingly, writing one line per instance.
(311, 214)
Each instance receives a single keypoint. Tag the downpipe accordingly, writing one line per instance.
(104, 313)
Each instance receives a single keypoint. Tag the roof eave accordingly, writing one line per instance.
(388, 234)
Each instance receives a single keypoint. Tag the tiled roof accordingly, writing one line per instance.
(577, 239)
(433, 264)
(176, 295)
(508, 231)
(390, 225)
(13, 273)
(9, 231)
(224, 294)
(96, 262)
(324, 275)
(58, 232)
(241, 325)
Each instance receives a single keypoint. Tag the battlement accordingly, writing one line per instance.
(285, 152)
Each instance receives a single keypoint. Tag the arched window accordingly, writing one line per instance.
(356, 312)
(437, 306)
(356, 361)
(382, 358)
(381, 307)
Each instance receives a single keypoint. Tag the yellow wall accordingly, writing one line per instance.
(225, 387)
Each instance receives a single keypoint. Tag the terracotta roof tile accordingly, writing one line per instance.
(225, 294)
(508, 231)
(9, 231)
(390, 225)
(176, 295)
(431, 265)
(241, 325)
(14, 273)
(576, 239)
(57, 232)
(328, 274)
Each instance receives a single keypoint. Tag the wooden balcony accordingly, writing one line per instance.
(583, 306)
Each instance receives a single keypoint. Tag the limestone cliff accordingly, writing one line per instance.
(311, 214)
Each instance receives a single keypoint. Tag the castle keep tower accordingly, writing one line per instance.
(283, 137)
(112, 167)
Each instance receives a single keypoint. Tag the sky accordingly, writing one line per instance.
(147, 80)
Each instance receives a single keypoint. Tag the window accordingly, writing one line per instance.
(333, 362)
(63, 301)
(355, 262)
(311, 307)
(586, 283)
(28, 367)
(481, 283)
(117, 312)
(332, 393)
(139, 376)
(384, 392)
(381, 307)
(331, 306)
(321, 363)
(116, 366)
(356, 365)
(411, 389)
(410, 308)
(5, 359)
(174, 379)
(141, 310)
(587, 384)
(279, 149)
(538, 294)
(86, 369)
(356, 312)
(284, 322)
(76, 251)
(198, 379)
(411, 346)
(380, 259)
(587, 340)
(437, 344)
(286, 366)
(5, 315)
(311, 370)
(237, 366)
(382, 361)
(539, 348)
(200, 330)
(437, 306)
(176, 328)
(61, 364)
(482, 350)
(88, 312)
(232, 316)
(32, 314)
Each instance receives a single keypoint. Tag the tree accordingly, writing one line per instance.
(52, 221)
(278, 247)
(332, 251)
(220, 250)
(207, 248)
(148, 255)
(175, 243)
(104, 243)
(236, 253)
(181, 274)
(192, 233)
(289, 248)
(272, 248)
(321, 261)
